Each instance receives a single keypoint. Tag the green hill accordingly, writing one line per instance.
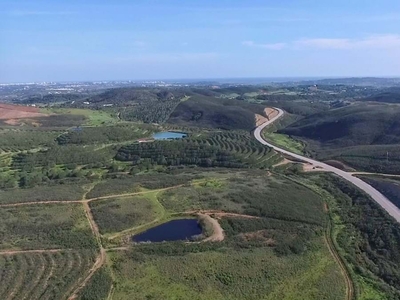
(386, 97)
(364, 136)
(351, 126)
(204, 111)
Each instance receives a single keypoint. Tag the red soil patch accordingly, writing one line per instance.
(11, 112)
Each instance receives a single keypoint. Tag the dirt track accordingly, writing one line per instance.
(91, 199)
(332, 249)
(101, 258)
(13, 252)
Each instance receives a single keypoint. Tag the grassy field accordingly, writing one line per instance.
(122, 213)
(92, 117)
(258, 195)
(285, 142)
(45, 227)
(132, 184)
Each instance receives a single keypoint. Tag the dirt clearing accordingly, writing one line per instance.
(270, 113)
(260, 119)
(11, 113)
(217, 231)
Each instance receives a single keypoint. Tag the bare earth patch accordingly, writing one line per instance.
(285, 161)
(260, 119)
(311, 168)
(12, 114)
(270, 113)
(217, 231)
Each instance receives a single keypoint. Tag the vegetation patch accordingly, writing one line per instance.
(372, 254)
(105, 134)
(47, 275)
(224, 273)
(261, 196)
(45, 227)
(132, 184)
(122, 213)
(98, 287)
(56, 192)
(221, 113)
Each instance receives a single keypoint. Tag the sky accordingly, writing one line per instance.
(170, 39)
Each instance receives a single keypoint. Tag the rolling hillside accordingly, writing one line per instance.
(351, 126)
(204, 111)
(391, 96)
(364, 136)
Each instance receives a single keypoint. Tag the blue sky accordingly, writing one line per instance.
(171, 39)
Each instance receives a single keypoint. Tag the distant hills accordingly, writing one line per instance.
(390, 96)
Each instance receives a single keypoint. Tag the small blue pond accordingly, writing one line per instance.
(175, 230)
(169, 135)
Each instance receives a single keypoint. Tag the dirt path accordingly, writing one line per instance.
(13, 252)
(97, 265)
(135, 193)
(285, 161)
(100, 260)
(39, 202)
(335, 254)
(218, 214)
(91, 199)
(92, 223)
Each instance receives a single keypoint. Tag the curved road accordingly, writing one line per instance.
(376, 195)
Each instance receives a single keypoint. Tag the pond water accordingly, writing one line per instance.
(175, 230)
(167, 135)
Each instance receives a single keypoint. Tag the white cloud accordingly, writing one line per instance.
(273, 46)
(168, 58)
(385, 41)
(388, 41)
